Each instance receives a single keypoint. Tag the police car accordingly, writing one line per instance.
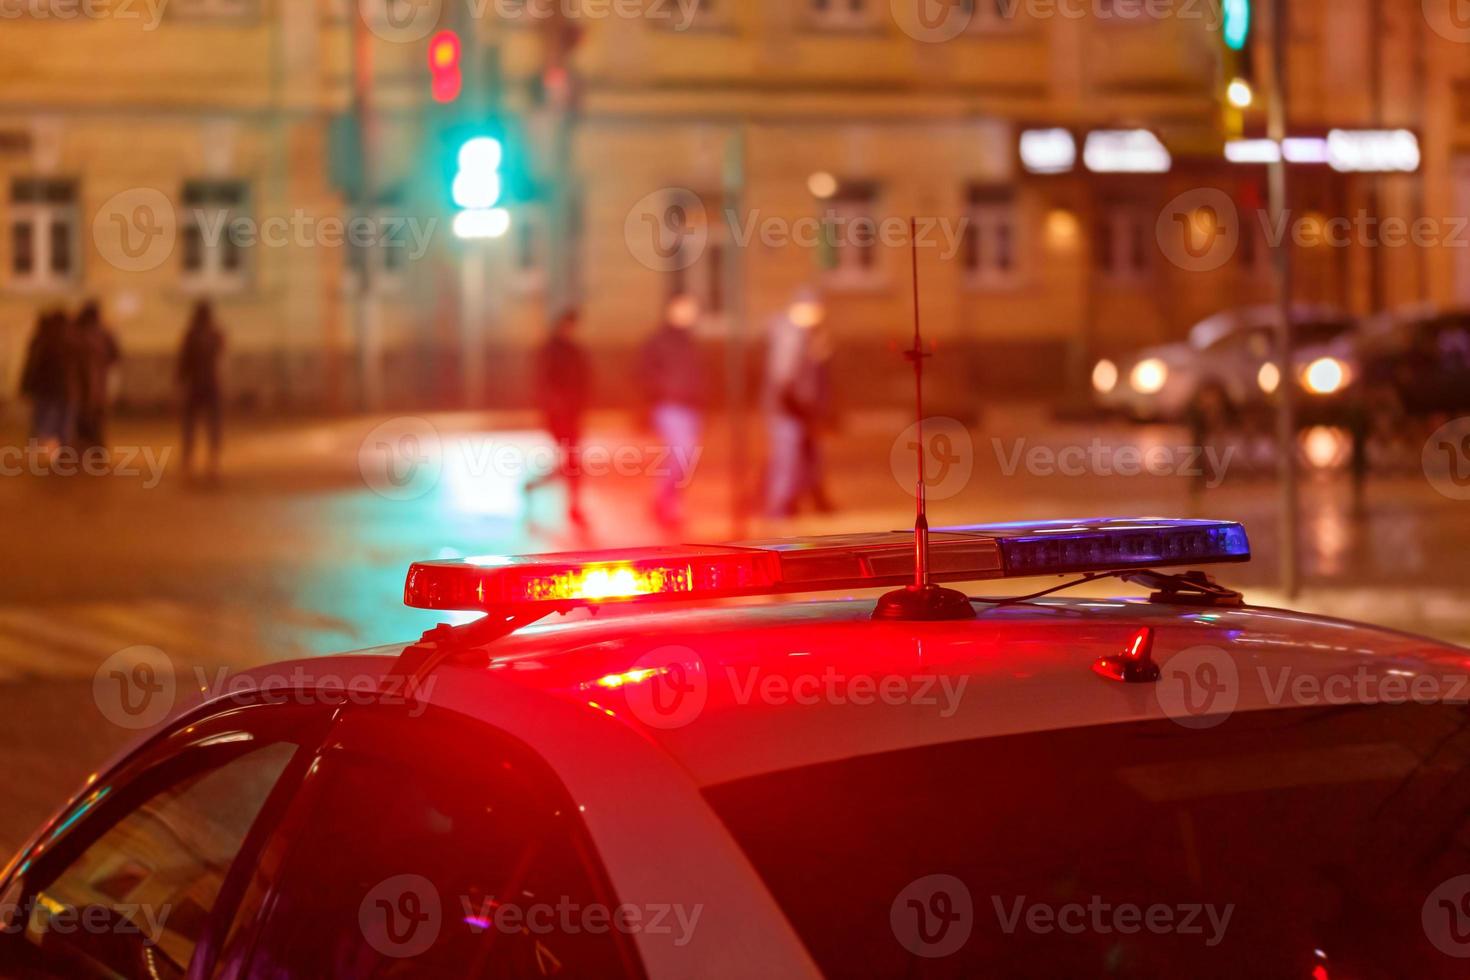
(652, 764)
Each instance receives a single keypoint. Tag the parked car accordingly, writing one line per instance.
(1416, 364)
(1225, 368)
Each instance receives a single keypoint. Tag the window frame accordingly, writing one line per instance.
(365, 730)
(212, 278)
(990, 207)
(1115, 221)
(42, 216)
(855, 201)
(190, 747)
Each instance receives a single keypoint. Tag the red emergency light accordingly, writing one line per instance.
(819, 564)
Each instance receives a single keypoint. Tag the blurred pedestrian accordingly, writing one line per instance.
(563, 385)
(48, 381)
(796, 402)
(673, 381)
(201, 356)
(96, 355)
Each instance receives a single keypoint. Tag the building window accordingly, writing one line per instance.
(850, 237)
(700, 271)
(991, 246)
(44, 243)
(213, 9)
(215, 232)
(841, 14)
(528, 240)
(385, 245)
(1124, 240)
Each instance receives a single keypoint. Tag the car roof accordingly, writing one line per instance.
(783, 685)
(1214, 328)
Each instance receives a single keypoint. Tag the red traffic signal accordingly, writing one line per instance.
(446, 66)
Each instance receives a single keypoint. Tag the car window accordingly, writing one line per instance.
(1254, 342)
(432, 848)
(1308, 842)
(127, 883)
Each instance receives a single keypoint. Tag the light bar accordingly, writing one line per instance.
(1125, 151)
(1373, 151)
(1048, 151)
(819, 564)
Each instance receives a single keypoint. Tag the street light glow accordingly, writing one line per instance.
(1239, 93)
(482, 224)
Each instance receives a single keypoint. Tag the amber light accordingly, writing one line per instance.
(610, 582)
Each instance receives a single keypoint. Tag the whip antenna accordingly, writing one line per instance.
(923, 600)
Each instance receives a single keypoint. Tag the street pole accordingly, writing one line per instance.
(1286, 407)
(369, 379)
(736, 160)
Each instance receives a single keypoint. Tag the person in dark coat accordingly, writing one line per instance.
(563, 388)
(198, 375)
(674, 383)
(48, 380)
(95, 355)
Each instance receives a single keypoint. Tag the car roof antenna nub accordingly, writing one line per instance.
(922, 601)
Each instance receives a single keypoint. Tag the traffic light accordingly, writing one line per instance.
(446, 66)
(1237, 23)
(478, 187)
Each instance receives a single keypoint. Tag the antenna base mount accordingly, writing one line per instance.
(924, 604)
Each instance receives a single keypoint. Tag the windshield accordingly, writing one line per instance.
(1274, 844)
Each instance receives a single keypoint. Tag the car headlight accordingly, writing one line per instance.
(1325, 376)
(1105, 377)
(1269, 378)
(1149, 377)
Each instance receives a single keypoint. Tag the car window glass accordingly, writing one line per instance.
(135, 902)
(451, 862)
(1136, 850)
